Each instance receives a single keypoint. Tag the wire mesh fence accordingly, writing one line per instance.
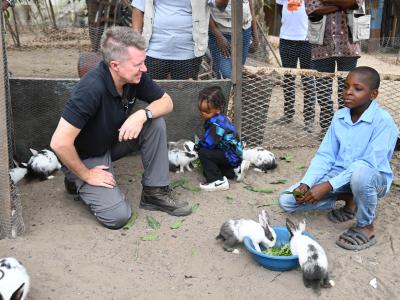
(281, 107)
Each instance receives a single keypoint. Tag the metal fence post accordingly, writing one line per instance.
(236, 58)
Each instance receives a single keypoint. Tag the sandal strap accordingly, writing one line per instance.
(342, 214)
(355, 236)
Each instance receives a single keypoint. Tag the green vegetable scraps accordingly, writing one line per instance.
(294, 193)
(131, 221)
(288, 157)
(280, 181)
(149, 237)
(184, 183)
(195, 207)
(278, 251)
(259, 190)
(178, 223)
(153, 223)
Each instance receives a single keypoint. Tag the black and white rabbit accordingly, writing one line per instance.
(261, 159)
(234, 231)
(312, 257)
(14, 280)
(18, 172)
(42, 164)
(181, 154)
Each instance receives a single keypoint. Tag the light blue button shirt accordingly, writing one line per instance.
(370, 141)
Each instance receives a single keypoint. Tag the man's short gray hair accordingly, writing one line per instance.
(115, 41)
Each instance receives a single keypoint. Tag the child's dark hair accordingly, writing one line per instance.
(370, 74)
(214, 97)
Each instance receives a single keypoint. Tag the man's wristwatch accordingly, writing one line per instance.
(149, 115)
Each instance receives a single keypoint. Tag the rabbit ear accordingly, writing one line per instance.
(18, 293)
(290, 226)
(302, 225)
(265, 216)
(33, 151)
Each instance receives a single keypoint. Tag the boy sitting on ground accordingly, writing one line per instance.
(352, 163)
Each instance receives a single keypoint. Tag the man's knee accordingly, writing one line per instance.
(115, 217)
(287, 203)
(361, 178)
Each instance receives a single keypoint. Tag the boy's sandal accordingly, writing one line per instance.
(340, 215)
(354, 239)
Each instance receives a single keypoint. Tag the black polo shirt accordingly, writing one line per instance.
(99, 111)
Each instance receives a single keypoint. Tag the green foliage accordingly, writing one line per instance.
(178, 223)
(150, 237)
(153, 223)
(258, 190)
(279, 251)
(131, 221)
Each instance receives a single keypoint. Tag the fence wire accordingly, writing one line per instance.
(281, 107)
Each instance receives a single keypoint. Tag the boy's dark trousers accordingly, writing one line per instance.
(215, 165)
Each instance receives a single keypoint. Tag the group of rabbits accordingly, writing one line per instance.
(182, 154)
(312, 257)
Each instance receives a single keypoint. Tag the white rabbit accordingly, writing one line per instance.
(312, 258)
(234, 231)
(17, 174)
(262, 159)
(181, 154)
(14, 280)
(42, 163)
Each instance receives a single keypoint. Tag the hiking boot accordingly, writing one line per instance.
(241, 170)
(164, 199)
(218, 185)
(70, 187)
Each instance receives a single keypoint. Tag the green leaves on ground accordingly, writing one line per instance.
(184, 183)
(258, 190)
(229, 199)
(131, 221)
(279, 251)
(280, 181)
(275, 202)
(153, 223)
(288, 157)
(195, 207)
(294, 193)
(178, 223)
(149, 237)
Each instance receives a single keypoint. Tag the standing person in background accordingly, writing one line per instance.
(294, 47)
(337, 51)
(221, 35)
(176, 34)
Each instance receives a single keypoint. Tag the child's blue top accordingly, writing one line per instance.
(370, 141)
(219, 133)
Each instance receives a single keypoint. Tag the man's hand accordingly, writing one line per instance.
(317, 192)
(254, 43)
(132, 126)
(98, 176)
(302, 188)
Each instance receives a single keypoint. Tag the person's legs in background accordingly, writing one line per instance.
(216, 54)
(289, 56)
(157, 68)
(324, 91)
(185, 69)
(344, 64)
(308, 85)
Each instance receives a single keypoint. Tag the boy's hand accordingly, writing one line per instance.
(302, 188)
(317, 192)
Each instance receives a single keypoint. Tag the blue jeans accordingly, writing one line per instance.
(324, 84)
(366, 185)
(222, 66)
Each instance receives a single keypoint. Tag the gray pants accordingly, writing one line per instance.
(110, 206)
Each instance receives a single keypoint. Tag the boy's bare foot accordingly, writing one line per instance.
(357, 238)
(346, 212)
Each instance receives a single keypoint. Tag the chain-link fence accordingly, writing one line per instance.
(281, 108)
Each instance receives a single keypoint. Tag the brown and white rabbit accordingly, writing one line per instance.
(312, 257)
(14, 280)
(234, 231)
(181, 154)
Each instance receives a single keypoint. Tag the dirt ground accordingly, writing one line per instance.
(70, 256)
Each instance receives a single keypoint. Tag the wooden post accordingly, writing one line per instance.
(236, 58)
(5, 192)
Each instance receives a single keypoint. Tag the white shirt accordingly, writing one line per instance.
(294, 23)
